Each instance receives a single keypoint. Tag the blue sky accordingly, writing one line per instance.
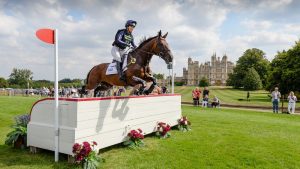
(197, 29)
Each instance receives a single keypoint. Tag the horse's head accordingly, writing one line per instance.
(161, 48)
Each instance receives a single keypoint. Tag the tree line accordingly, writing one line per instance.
(22, 79)
(253, 71)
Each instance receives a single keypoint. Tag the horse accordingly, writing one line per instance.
(138, 69)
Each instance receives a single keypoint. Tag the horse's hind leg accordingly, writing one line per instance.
(102, 87)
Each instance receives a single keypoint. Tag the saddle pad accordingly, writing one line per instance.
(112, 69)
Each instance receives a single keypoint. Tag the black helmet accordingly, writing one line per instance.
(130, 23)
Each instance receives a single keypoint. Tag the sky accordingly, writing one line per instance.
(196, 29)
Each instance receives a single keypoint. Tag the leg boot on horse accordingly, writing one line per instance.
(120, 71)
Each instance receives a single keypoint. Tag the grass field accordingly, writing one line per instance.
(220, 138)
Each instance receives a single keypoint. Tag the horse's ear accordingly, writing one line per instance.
(165, 35)
(159, 33)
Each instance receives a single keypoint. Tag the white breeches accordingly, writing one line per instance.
(291, 107)
(204, 103)
(116, 52)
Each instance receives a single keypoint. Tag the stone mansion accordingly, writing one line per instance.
(215, 71)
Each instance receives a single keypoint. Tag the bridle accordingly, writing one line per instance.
(162, 50)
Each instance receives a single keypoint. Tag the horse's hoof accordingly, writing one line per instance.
(146, 92)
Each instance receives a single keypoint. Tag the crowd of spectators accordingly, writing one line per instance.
(196, 93)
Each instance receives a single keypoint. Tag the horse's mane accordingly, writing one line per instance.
(144, 41)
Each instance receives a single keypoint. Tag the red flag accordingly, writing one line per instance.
(46, 35)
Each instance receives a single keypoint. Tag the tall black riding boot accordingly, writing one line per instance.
(120, 71)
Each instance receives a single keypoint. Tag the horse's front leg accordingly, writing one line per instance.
(142, 82)
(150, 78)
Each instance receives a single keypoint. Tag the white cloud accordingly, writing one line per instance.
(271, 4)
(257, 25)
(292, 28)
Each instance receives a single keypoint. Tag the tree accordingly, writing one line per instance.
(65, 80)
(158, 76)
(251, 58)
(178, 83)
(203, 82)
(252, 80)
(42, 83)
(3, 83)
(233, 80)
(284, 71)
(20, 77)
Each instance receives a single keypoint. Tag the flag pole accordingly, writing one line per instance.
(173, 75)
(56, 129)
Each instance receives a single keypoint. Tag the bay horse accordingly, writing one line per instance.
(138, 70)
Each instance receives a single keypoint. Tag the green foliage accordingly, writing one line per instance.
(251, 58)
(20, 77)
(3, 83)
(19, 129)
(284, 71)
(158, 76)
(12, 137)
(178, 83)
(252, 80)
(42, 83)
(66, 80)
(62, 83)
(203, 82)
(92, 161)
(133, 143)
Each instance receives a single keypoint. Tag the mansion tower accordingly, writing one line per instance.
(215, 71)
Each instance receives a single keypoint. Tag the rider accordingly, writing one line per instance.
(123, 40)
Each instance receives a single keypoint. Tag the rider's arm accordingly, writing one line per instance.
(119, 39)
(132, 43)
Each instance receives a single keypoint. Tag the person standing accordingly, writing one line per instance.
(197, 95)
(275, 99)
(248, 96)
(205, 92)
(194, 94)
(292, 102)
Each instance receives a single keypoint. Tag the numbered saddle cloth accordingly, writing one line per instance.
(112, 68)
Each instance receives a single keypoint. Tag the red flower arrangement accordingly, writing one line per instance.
(183, 124)
(86, 155)
(163, 130)
(135, 139)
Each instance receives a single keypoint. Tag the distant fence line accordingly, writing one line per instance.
(13, 92)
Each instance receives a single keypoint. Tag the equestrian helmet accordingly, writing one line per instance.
(130, 23)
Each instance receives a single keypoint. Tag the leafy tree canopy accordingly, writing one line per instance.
(284, 70)
(251, 58)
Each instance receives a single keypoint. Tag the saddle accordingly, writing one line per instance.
(112, 69)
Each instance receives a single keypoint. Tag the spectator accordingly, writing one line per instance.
(215, 102)
(205, 92)
(164, 90)
(156, 91)
(275, 99)
(205, 101)
(248, 96)
(196, 96)
(292, 103)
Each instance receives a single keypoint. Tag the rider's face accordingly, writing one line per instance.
(130, 28)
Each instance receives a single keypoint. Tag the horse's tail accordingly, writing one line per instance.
(86, 81)
(87, 77)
